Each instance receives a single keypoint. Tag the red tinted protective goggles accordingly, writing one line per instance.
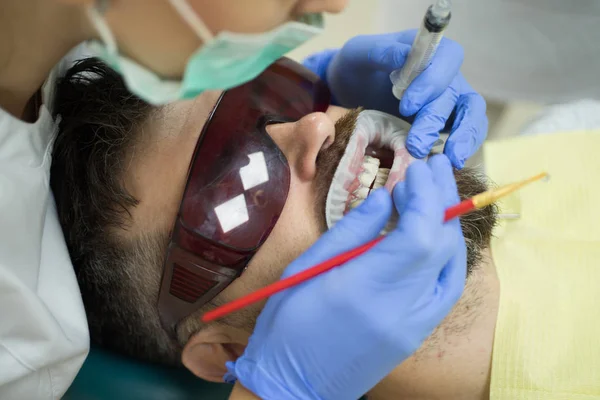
(237, 186)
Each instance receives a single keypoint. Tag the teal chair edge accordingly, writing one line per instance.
(109, 376)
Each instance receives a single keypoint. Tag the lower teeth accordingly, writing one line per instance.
(370, 178)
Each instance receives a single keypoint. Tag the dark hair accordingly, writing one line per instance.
(99, 123)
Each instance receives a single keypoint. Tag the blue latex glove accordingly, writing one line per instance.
(338, 335)
(358, 75)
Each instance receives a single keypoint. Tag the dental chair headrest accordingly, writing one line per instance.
(107, 376)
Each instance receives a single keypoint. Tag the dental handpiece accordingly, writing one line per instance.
(424, 46)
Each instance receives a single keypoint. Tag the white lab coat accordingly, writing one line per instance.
(44, 337)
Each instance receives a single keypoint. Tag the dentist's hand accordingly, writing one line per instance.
(338, 335)
(358, 75)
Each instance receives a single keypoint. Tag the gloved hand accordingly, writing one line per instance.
(358, 75)
(338, 335)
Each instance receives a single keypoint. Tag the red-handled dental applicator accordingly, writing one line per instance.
(478, 201)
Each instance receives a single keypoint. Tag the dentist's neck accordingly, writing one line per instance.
(34, 36)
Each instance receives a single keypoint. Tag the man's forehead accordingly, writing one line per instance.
(187, 117)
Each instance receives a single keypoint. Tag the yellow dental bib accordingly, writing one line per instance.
(547, 340)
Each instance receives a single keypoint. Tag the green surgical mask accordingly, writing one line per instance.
(222, 62)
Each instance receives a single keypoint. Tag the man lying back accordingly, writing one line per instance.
(240, 183)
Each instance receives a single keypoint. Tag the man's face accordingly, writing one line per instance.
(159, 174)
(311, 145)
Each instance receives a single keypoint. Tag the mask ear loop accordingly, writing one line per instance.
(192, 19)
(96, 15)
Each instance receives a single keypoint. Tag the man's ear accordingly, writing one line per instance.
(206, 353)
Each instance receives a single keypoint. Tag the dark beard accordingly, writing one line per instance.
(477, 226)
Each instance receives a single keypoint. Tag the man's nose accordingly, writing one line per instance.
(301, 141)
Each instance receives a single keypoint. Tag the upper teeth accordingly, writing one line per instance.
(362, 192)
(381, 177)
(370, 176)
(369, 171)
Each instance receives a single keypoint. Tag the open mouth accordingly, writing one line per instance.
(376, 156)
(374, 173)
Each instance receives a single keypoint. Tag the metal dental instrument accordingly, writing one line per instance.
(424, 46)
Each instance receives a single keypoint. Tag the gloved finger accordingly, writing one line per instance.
(382, 52)
(420, 220)
(434, 80)
(443, 176)
(469, 129)
(230, 376)
(388, 55)
(444, 179)
(246, 370)
(375, 52)
(356, 228)
(451, 281)
(406, 37)
(430, 120)
(400, 196)
(452, 276)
